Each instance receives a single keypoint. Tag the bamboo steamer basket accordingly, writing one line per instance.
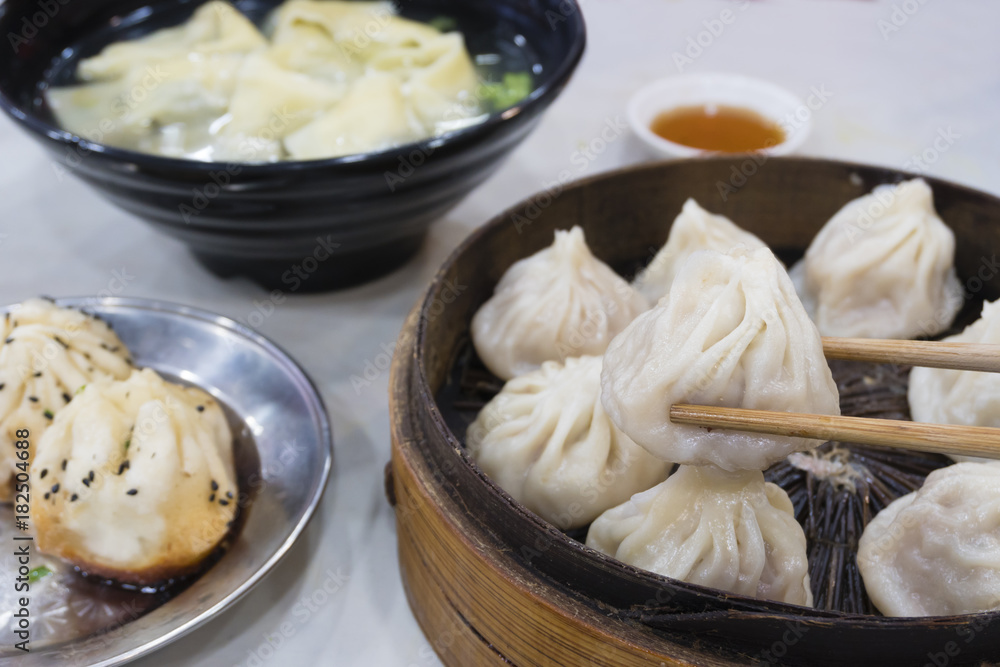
(491, 583)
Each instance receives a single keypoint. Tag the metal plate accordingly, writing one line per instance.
(283, 446)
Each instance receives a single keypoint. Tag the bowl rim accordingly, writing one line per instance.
(427, 301)
(316, 403)
(760, 87)
(455, 139)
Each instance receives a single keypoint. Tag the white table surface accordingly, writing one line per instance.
(891, 94)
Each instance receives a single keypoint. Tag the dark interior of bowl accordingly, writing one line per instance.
(262, 220)
(626, 216)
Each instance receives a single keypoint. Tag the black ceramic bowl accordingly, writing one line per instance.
(340, 220)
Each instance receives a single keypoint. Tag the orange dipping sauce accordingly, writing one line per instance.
(718, 128)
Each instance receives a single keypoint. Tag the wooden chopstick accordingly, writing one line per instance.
(940, 438)
(933, 354)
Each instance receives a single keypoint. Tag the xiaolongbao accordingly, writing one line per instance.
(936, 551)
(882, 267)
(48, 354)
(546, 440)
(138, 478)
(968, 398)
(693, 229)
(731, 531)
(730, 333)
(560, 302)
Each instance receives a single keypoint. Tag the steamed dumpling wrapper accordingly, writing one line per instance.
(163, 92)
(561, 302)
(967, 398)
(216, 28)
(179, 97)
(149, 485)
(339, 41)
(48, 353)
(936, 551)
(342, 77)
(415, 80)
(693, 229)
(360, 30)
(442, 88)
(435, 72)
(546, 440)
(309, 50)
(268, 104)
(373, 116)
(730, 531)
(730, 333)
(882, 267)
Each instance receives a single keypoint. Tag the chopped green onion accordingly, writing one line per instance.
(514, 88)
(127, 443)
(48, 414)
(443, 23)
(37, 573)
(80, 390)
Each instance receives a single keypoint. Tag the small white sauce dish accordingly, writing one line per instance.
(767, 99)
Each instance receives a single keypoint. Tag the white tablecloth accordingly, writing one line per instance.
(897, 74)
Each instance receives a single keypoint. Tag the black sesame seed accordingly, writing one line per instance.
(91, 476)
(229, 494)
(2, 385)
(223, 501)
(9, 341)
(48, 414)
(86, 482)
(55, 488)
(64, 464)
(132, 492)
(73, 497)
(33, 399)
(66, 397)
(38, 374)
(215, 485)
(211, 498)
(123, 466)
(45, 471)
(47, 494)
(200, 408)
